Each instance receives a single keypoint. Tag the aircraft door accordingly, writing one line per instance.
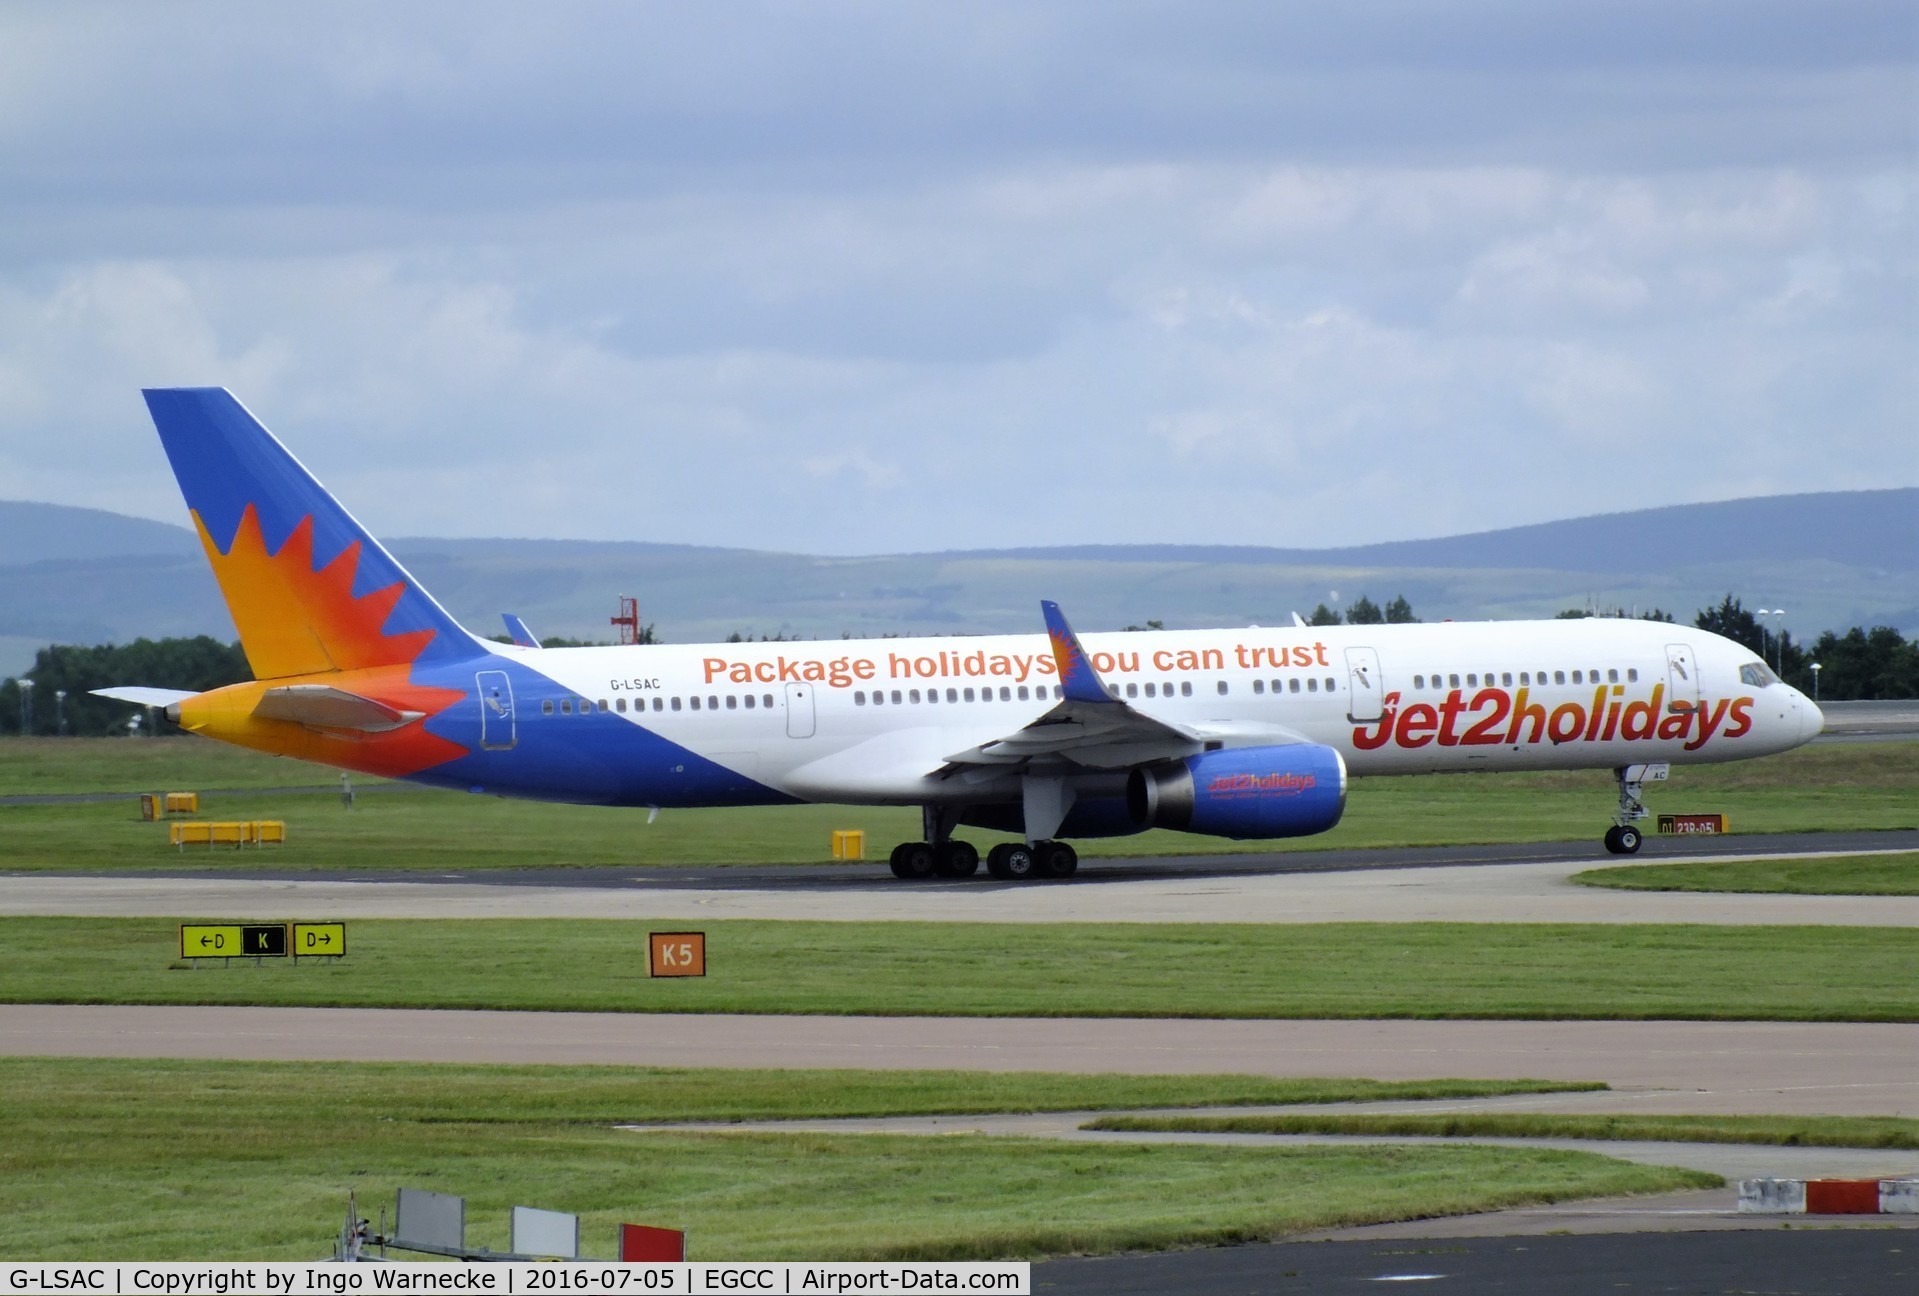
(1366, 691)
(497, 730)
(799, 711)
(1682, 678)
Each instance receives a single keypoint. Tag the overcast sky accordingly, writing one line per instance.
(870, 277)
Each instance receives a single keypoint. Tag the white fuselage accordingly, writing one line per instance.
(877, 720)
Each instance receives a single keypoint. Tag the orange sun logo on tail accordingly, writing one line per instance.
(301, 625)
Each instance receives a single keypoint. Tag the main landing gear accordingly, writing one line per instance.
(943, 855)
(1622, 838)
(1008, 861)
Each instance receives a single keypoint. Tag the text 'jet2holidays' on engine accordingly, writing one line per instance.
(1239, 733)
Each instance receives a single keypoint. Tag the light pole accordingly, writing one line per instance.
(26, 706)
(1815, 681)
(60, 712)
(1779, 639)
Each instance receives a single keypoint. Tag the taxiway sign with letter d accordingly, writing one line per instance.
(319, 940)
(233, 940)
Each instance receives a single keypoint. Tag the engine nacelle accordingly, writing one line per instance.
(1243, 792)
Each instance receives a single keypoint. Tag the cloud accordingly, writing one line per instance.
(859, 277)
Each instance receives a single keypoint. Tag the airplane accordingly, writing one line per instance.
(1247, 733)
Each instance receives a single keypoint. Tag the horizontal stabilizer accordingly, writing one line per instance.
(154, 697)
(321, 706)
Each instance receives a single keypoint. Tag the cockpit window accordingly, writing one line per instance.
(1757, 674)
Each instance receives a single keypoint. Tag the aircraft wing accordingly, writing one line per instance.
(1089, 727)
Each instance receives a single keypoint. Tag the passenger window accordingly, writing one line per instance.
(1472, 681)
(952, 695)
(1332, 685)
(1222, 688)
(913, 695)
(1292, 685)
(969, 695)
(766, 700)
(1005, 693)
(1506, 678)
(696, 704)
(750, 700)
(602, 705)
(1186, 688)
(712, 703)
(1612, 677)
(1312, 686)
(1022, 693)
(1632, 674)
(676, 704)
(896, 697)
(732, 702)
(546, 706)
(659, 704)
(566, 706)
(1419, 681)
(1132, 690)
(932, 695)
(1559, 677)
(1576, 678)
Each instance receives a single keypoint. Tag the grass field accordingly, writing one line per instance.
(1893, 874)
(234, 1161)
(1820, 788)
(1432, 970)
(1778, 1131)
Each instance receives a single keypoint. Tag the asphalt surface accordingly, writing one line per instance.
(1839, 1068)
(1801, 1261)
(1094, 870)
(1477, 884)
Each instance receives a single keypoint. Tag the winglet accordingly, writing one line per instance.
(522, 636)
(1078, 679)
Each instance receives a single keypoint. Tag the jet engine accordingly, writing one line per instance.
(1242, 792)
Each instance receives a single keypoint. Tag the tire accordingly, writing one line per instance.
(913, 861)
(1612, 840)
(1629, 841)
(1020, 862)
(1056, 859)
(956, 859)
(996, 862)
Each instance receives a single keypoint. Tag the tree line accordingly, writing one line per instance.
(53, 696)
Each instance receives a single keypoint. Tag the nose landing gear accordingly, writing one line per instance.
(1622, 838)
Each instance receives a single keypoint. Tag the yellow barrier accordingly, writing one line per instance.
(233, 832)
(849, 843)
(183, 803)
(152, 806)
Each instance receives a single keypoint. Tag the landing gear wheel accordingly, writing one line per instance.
(1056, 859)
(1011, 861)
(912, 861)
(956, 859)
(1623, 840)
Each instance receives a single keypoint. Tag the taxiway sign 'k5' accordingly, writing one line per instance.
(1247, 733)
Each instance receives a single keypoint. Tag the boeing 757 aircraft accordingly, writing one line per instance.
(1239, 733)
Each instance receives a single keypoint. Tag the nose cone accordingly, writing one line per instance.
(1811, 719)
